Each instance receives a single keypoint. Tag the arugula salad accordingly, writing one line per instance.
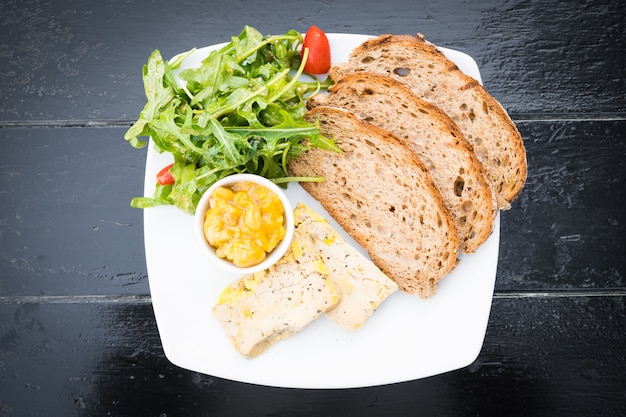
(240, 111)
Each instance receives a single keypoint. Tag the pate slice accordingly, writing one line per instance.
(262, 308)
(362, 284)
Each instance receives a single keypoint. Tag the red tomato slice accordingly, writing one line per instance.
(164, 177)
(318, 61)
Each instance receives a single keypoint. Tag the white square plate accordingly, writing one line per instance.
(407, 338)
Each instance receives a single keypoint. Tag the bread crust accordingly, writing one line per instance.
(428, 131)
(430, 74)
(382, 195)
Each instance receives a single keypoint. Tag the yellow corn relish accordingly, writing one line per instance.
(244, 223)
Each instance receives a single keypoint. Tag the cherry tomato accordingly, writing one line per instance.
(318, 61)
(164, 177)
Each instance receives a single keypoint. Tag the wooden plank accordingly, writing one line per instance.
(66, 225)
(541, 357)
(568, 228)
(82, 60)
(566, 231)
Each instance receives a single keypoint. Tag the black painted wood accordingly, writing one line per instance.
(77, 332)
(565, 361)
(566, 231)
(67, 226)
(568, 228)
(82, 60)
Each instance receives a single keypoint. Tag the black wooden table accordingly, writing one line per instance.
(77, 330)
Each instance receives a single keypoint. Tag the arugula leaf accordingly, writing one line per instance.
(241, 110)
(157, 94)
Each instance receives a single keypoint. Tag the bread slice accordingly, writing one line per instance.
(381, 194)
(429, 132)
(428, 72)
(265, 307)
(362, 284)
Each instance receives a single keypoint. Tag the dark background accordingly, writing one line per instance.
(77, 331)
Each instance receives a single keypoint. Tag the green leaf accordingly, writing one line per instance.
(241, 110)
(233, 145)
(160, 198)
(157, 93)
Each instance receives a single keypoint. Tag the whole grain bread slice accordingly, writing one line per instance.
(381, 194)
(434, 137)
(429, 73)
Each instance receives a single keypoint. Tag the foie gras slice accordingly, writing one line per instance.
(262, 308)
(362, 284)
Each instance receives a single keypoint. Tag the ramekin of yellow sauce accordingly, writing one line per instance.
(245, 223)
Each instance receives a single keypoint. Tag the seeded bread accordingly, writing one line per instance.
(381, 194)
(434, 137)
(429, 73)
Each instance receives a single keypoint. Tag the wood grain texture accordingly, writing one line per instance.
(82, 60)
(539, 355)
(77, 332)
(66, 225)
(568, 228)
